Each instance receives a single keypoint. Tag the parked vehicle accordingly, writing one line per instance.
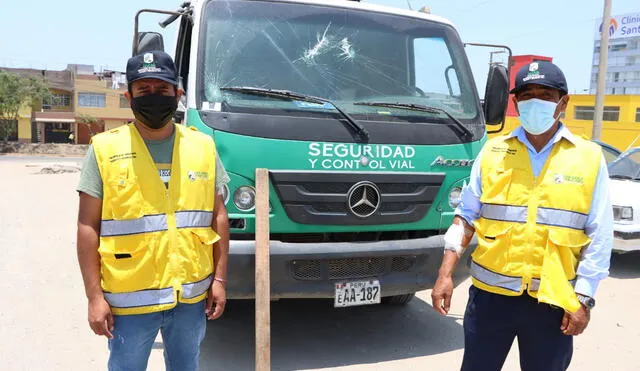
(625, 197)
(610, 152)
(368, 119)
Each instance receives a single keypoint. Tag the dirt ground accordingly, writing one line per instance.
(43, 308)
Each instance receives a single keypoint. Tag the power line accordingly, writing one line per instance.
(467, 10)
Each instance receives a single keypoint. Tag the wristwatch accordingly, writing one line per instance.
(587, 301)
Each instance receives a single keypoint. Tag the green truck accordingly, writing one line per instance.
(368, 120)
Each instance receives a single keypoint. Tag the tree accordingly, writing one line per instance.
(16, 92)
(88, 121)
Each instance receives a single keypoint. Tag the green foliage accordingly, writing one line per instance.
(15, 92)
(88, 121)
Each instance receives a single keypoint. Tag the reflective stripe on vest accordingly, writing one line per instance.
(146, 298)
(494, 279)
(143, 298)
(517, 214)
(146, 224)
(193, 219)
(546, 216)
(561, 218)
(192, 290)
(491, 278)
(535, 284)
(154, 223)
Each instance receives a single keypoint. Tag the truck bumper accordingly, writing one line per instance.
(310, 270)
(626, 241)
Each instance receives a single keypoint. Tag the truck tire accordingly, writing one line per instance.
(398, 299)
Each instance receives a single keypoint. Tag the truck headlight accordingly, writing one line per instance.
(454, 197)
(245, 198)
(622, 213)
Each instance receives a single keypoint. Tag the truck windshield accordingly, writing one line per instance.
(343, 55)
(627, 166)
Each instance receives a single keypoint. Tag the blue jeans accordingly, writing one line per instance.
(182, 328)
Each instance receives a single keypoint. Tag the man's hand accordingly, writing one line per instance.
(441, 294)
(575, 323)
(100, 318)
(216, 301)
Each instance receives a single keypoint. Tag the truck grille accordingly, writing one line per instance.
(355, 198)
(336, 269)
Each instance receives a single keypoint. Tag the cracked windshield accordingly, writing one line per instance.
(345, 56)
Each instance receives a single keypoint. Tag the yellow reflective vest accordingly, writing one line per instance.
(155, 242)
(531, 229)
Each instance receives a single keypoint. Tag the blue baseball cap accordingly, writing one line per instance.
(540, 73)
(152, 65)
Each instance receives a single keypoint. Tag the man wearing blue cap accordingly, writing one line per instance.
(538, 200)
(153, 233)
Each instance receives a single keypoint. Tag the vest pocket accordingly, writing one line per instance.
(569, 244)
(125, 198)
(125, 270)
(201, 252)
(494, 241)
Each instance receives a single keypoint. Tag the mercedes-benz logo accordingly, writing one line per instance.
(363, 199)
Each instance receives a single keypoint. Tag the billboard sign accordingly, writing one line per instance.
(621, 26)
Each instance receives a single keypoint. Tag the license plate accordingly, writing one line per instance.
(354, 293)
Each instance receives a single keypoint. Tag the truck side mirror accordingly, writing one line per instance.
(496, 95)
(148, 41)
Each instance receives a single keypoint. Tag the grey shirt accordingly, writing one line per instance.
(161, 151)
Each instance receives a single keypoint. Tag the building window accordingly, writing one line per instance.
(618, 47)
(57, 100)
(583, 113)
(91, 100)
(637, 114)
(611, 113)
(124, 102)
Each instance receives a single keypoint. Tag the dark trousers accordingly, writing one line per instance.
(492, 321)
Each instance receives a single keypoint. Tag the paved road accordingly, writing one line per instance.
(39, 159)
(43, 309)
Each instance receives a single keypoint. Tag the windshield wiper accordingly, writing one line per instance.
(420, 108)
(619, 176)
(289, 95)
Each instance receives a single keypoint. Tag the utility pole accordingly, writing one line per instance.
(602, 71)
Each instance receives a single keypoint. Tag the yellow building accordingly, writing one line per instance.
(98, 97)
(24, 124)
(620, 125)
(51, 120)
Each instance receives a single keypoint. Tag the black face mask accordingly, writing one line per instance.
(154, 110)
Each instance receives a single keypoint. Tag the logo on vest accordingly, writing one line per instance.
(122, 156)
(560, 178)
(195, 175)
(509, 151)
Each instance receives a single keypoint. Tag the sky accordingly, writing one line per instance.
(51, 34)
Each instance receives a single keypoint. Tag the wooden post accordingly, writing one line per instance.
(263, 284)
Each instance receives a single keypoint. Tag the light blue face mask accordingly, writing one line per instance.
(536, 115)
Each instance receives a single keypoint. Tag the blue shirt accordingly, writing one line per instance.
(594, 263)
